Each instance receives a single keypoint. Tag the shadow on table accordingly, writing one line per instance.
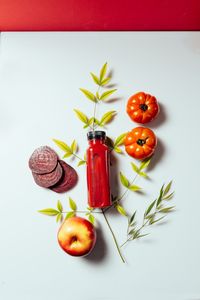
(160, 119)
(99, 252)
(157, 157)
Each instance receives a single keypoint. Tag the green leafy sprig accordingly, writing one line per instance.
(129, 185)
(70, 150)
(90, 215)
(139, 170)
(154, 213)
(105, 119)
(119, 141)
(59, 213)
(101, 81)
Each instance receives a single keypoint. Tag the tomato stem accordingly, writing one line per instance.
(143, 107)
(141, 142)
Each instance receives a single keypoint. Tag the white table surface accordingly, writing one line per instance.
(40, 76)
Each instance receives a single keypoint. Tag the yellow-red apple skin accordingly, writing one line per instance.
(77, 236)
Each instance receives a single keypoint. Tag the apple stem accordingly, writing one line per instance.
(114, 238)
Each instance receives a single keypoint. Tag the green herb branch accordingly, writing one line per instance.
(101, 81)
(154, 213)
(70, 150)
(60, 213)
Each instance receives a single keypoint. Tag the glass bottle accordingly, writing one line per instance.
(98, 170)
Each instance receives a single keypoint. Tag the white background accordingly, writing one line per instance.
(39, 86)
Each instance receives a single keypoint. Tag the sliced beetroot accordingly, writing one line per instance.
(49, 179)
(67, 181)
(43, 160)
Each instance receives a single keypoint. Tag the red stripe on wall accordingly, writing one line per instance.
(53, 15)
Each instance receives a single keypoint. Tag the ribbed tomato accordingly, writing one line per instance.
(142, 108)
(140, 142)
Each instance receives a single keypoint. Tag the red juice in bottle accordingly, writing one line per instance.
(98, 170)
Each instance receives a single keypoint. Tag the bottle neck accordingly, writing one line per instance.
(97, 141)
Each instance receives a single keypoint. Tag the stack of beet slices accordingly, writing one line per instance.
(50, 172)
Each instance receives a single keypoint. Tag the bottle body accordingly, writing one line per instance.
(98, 173)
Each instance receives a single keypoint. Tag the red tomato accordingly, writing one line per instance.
(142, 108)
(140, 142)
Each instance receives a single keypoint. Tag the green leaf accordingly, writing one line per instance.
(103, 71)
(160, 196)
(134, 188)
(97, 95)
(49, 212)
(167, 189)
(160, 206)
(59, 206)
(135, 168)
(95, 78)
(74, 146)
(81, 162)
(62, 145)
(121, 210)
(105, 81)
(91, 218)
(90, 208)
(117, 150)
(142, 235)
(137, 233)
(151, 216)
(144, 164)
(81, 116)
(132, 232)
(59, 217)
(168, 197)
(69, 215)
(124, 180)
(106, 94)
(86, 126)
(120, 139)
(72, 204)
(89, 95)
(131, 221)
(67, 154)
(107, 117)
(91, 120)
(143, 174)
(96, 121)
(155, 221)
(150, 208)
(166, 209)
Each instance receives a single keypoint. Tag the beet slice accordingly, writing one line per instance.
(67, 181)
(48, 179)
(43, 160)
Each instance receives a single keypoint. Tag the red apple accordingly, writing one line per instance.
(77, 236)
